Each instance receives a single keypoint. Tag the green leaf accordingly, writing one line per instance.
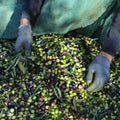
(74, 104)
(16, 61)
(22, 67)
(72, 48)
(38, 88)
(66, 65)
(68, 72)
(55, 92)
(79, 100)
(59, 92)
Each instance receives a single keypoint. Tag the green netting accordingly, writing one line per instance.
(60, 16)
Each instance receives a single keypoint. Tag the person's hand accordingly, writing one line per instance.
(24, 39)
(98, 73)
(23, 43)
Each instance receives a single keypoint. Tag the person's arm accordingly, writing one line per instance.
(30, 12)
(98, 71)
(111, 45)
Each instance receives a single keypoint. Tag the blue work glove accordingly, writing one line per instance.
(24, 39)
(98, 73)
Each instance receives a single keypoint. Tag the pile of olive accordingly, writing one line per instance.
(53, 86)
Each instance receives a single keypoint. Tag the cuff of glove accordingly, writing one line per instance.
(23, 25)
(25, 29)
(108, 56)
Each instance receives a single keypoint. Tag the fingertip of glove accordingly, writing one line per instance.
(89, 76)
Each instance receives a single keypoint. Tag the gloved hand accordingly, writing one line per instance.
(24, 39)
(98, 73)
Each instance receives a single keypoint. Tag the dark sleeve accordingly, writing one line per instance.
(31, 9)
(112, 39)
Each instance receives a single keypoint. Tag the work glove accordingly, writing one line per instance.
(24, 39)
(98, 73)
(23, 43)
